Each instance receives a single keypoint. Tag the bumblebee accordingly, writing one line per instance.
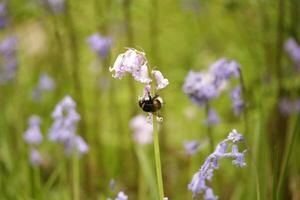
(151, 104)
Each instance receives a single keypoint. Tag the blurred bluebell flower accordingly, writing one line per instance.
(287, 107)
(3, 15)
(33, 133)
(112, 184)
(100, 44)
(212, 118)
(142, 130)
(9, 46)
(201, 87)
(45, 83)
(8, 66)
(35, 157)
(191, 147)
(205, 173)
(121, 196)
(65, 125)
(65, 120)
(293, 49)
(224, 69)
(237, 101)
(56, 6)
(76, 143)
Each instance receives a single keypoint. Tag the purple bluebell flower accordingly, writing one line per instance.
(237, 101)
(121, 196)
(8, 49)
(212, 118)
(65, 120)
(287, 107)
(3, 15)
(142, 130)
(293, 49)
(33, 133)
(100, 44)
(76, 143)
(46, 83)
(191, 147)
(205, 173)
(35, 157)
(201, 87)
(56, 6)
(224, 69)
(65, 125)
(9, 46)
(112, 184)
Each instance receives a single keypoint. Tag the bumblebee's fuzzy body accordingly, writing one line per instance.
(151, 104)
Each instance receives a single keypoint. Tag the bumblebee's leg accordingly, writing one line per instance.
(159, 116)
(149, 96)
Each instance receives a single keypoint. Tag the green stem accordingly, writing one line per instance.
(37, 182)
(147, 173)
(290, 145)
(209, 129)
(75, 172)
(157, 159)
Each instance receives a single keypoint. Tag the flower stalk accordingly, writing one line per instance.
(157, 158)
(75, 175)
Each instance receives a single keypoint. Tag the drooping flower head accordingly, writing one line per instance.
(33, 133)
(142, 130)
(100, 44)
(135, 63)
(199, 181)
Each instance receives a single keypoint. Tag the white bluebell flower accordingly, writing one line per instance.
(121, 196)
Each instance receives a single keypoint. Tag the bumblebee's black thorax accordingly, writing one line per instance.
(151, 104)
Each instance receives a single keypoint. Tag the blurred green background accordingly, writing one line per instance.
(177, 36)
